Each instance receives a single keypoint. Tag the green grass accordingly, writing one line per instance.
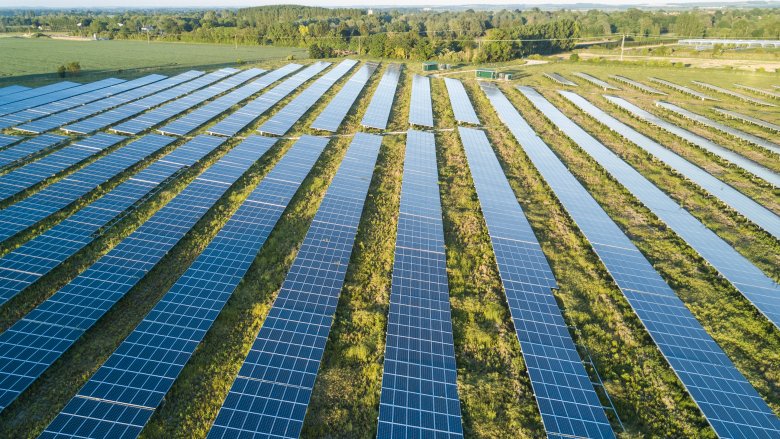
(34, 61)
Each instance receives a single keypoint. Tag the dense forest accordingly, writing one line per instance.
(414, 34)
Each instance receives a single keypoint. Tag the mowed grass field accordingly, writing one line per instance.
(34, 61)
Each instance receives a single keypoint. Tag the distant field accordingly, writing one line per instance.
(35, 60)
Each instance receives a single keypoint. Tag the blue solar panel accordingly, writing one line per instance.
(13, 107)
(331, 117)
(757, 287)
(748, 119)
(460, 102)
(270, 395)
(282, 121)
(231, 125)
(81, 112)
(420, 105)
(32, 260)
(694, 139)
(419, 386)
(59, 195)
(734, 94)
(567, 401)
(745, 206)
(11, 89)
(161, 114)
(6, 140)
(194, 80)
(596, 81)
(727, 400)
(683, 89)
(156, 352)
(29, 147)
(42, 111)
(33, 173)
(738, 134)
(32, 344)
(638, 85)
(38, 91)
(381, 104)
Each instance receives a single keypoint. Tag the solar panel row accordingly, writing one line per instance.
(683, 89)
(420, 105)
(31, 146)
(728, 401)
(33, 343)
(745, 206)
(40, 205)
(161, 114)
(734, 94)
(741, 135)
(560, 79)
(726, 154)
(25, 104)
(194, 81)
(231, 125)
(200, 116)
(419, 385)
(29, 175)
(70, 116)
(35, 258)
(122, 395)
(748, 119)
(6, 140)
(41, 111)
(331, 117)
(381, 104)
(459, 100)
(11, 89)
(284, 119)
(270, 395)
(638, 85)
(760, 91)
(596, 81)
(566, 398)
(38, 91)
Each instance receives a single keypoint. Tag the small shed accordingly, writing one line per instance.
(486, 73)
(429, 66)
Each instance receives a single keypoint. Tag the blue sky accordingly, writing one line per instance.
(235, 3)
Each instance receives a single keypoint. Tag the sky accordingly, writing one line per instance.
(358, 3)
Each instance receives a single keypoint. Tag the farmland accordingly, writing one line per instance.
(642, 392)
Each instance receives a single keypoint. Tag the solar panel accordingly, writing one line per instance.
(270, 395)
(58, 195)
(57, 95)
(33, 343)
(38, 91)
(378, 110)
(420, 105)
(560, 79)
(745, 206)
(156, 352)
(99, 121)
(171, 109)
(57, 120)
(6, 140)
(200, 116)
(460, 102)
(37, 257)
(36, 172)
(734, 94)
(11, 89)
(748, 119)
(564, 394)
(760, 91)
(41, 111)
(28, 148)
(683, 89)
(741, 135)
(638, 85)
(596, 81)
(231, 125)
(282, 121)
(728, 401)
(419, 387)
(331, 117)
(712, 147)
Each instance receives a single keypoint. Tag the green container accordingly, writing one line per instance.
(428, 66)
(486, 73)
